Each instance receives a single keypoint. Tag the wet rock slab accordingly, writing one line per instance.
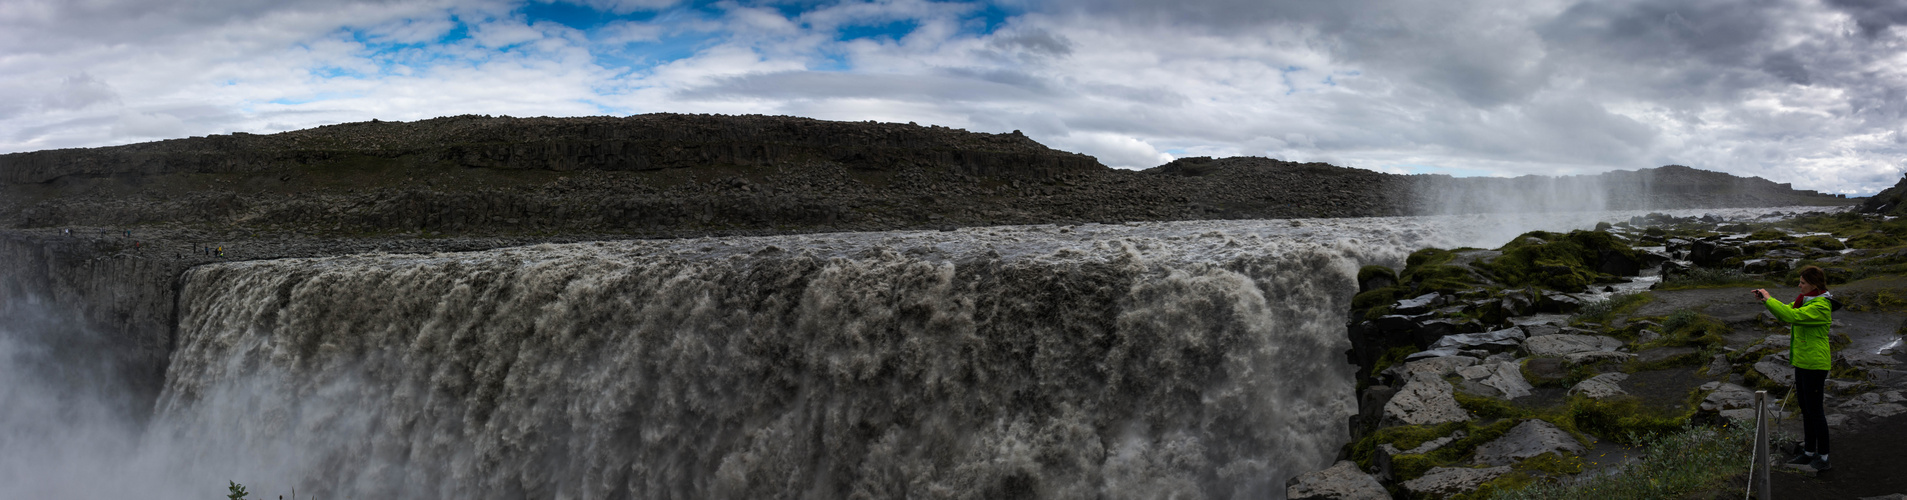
(1603, 386)
(1446, 481)
(1528, 439)
(1564, 344)
(1342, 481)
(1425, 400)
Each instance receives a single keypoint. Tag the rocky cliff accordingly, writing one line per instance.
(691, 175)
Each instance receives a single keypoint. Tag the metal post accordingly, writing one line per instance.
(1762, 453)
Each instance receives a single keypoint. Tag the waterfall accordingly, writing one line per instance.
(814, 367)
(1182, 360)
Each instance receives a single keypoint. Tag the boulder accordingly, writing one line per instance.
(1451, 481)
(1545, 370)
(1341, 481)
(1419, 305)
(1651, 259)
(1381, 457)
(1507, 339)
(1370, 408)
(1764, 266)
(1502, 380)
(1541, 330)
(1876, 404)
(1612, 261)
(1719, 366)
(1772, 343)
(1566, 344)
(1726, 397)
(1602, 386)
(1607, 359)
(1710, 253)
(1558, 302)
(1528, 439)
(1430, 331)
(1375, 277)
(1424, 400)
(1517, 303)
(1776, 368)
(1434, 353)
(1435, 367)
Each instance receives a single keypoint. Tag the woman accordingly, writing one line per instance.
(1808, 351)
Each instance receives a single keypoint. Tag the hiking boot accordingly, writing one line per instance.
(1801, 459)
(1819, 464)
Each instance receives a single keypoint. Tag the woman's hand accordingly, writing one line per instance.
(1761, 294)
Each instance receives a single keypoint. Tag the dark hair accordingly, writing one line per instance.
(1814, 276)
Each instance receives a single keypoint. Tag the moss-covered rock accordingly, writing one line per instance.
(1375, 277)
(1872, 239)
(1562, 262)
(1767, 235)
(1821, 242)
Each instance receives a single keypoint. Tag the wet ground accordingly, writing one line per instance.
(1868, 461)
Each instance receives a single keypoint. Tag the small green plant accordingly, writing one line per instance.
(237, 491)
(1690, 460)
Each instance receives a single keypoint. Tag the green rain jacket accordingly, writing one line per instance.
(1808, 331)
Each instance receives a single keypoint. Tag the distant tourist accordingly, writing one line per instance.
(1808, 319)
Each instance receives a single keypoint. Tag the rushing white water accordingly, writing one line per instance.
(1181, 360)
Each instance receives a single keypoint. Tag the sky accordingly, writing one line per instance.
(1812, 92)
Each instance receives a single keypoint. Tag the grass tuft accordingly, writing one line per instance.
(1689, 460)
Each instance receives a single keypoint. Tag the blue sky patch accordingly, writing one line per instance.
(892, 31)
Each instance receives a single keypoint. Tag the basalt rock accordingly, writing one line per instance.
(1528, 439)
(1342, 481)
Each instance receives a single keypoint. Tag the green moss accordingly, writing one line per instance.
(1552, 464)
(1564, 262)
(1624, 419)
(1403, 437)
(1676, 465)
(1367, 273)
(1755, 380)
(1428, 256)
(1441, 278)
(1872, 240)
(1391, 358)
(1407, 467)
(1536, 381)
(1688, 328)
(1821, 242)
(1487, 407)
(1767, 234)
(1375, 298)
(1514, 481)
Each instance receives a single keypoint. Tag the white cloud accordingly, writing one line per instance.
(1790, 90)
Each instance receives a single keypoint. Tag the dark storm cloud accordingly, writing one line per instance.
(1873, 16)
(1794, 90)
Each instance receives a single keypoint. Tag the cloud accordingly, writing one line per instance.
(1792, 90)
(80, 91)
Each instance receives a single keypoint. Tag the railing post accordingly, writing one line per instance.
(1763, 459)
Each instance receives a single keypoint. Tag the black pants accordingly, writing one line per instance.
(1814, 421)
